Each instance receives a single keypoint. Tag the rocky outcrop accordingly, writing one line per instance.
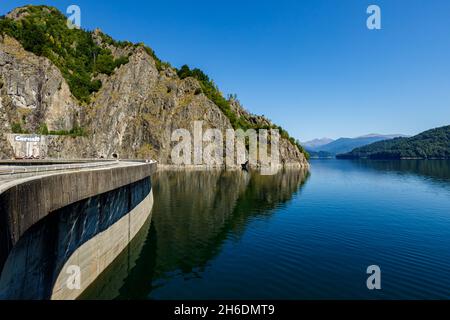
(133, 114)
(290, 155)
(6, 151)
(33, 90)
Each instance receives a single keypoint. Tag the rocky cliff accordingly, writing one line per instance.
(128, 108)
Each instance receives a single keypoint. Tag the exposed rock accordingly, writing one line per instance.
(117, 52)
(252, 118)
(290, 155)
(133, 114)
(139, 107)
(6, 151)
(33, 90)
(17, 13)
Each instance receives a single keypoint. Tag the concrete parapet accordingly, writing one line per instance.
(24, 202)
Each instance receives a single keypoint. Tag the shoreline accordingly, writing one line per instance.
(385, 159)
(171, 167)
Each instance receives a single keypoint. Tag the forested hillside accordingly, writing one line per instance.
(431, 144)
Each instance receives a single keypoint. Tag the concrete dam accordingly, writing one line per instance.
(62, 223)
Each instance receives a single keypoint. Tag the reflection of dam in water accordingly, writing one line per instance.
(195, 213)
(62, 225)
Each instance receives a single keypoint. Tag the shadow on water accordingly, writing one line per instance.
(194, 213)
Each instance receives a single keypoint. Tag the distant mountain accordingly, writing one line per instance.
(386, 136)
(343, 145)
(312, 144)
(431, 144)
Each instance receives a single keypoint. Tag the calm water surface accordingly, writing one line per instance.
(292, 236)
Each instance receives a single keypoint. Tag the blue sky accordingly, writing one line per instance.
(311, 66)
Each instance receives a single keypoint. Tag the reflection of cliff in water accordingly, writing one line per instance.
(194, 213)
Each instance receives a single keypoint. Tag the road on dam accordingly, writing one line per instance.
(16, 172)
(83, 212)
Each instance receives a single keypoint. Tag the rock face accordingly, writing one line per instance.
(133, 114)
(34, 90)
(290, 155)
(6, 151)
(139, 107)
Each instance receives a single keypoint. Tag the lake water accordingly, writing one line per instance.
(295, 235)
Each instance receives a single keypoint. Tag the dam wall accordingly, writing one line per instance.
(82, 218)
(29, 200)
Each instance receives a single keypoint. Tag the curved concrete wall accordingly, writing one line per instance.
(88, 234)
(94, 256)
(28, 201)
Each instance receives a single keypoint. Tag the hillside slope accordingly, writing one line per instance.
(316, 143)
(98, 96)
(343, 145)
(431, 144)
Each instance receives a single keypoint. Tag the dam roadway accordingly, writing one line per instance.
(84, 212)
(16, 172)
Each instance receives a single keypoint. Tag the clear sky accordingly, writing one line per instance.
(311, 66)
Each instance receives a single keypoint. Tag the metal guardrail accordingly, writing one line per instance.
(11, 170)
(81, 164)
(12, 175)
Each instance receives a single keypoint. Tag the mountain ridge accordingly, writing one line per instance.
(316, 142)
(389, 136)
(343, 145)
(430, 144)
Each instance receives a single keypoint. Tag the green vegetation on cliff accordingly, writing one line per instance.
(213, 93)
(122, 44)
(43, 130)
(431, 144)
(43, 30)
